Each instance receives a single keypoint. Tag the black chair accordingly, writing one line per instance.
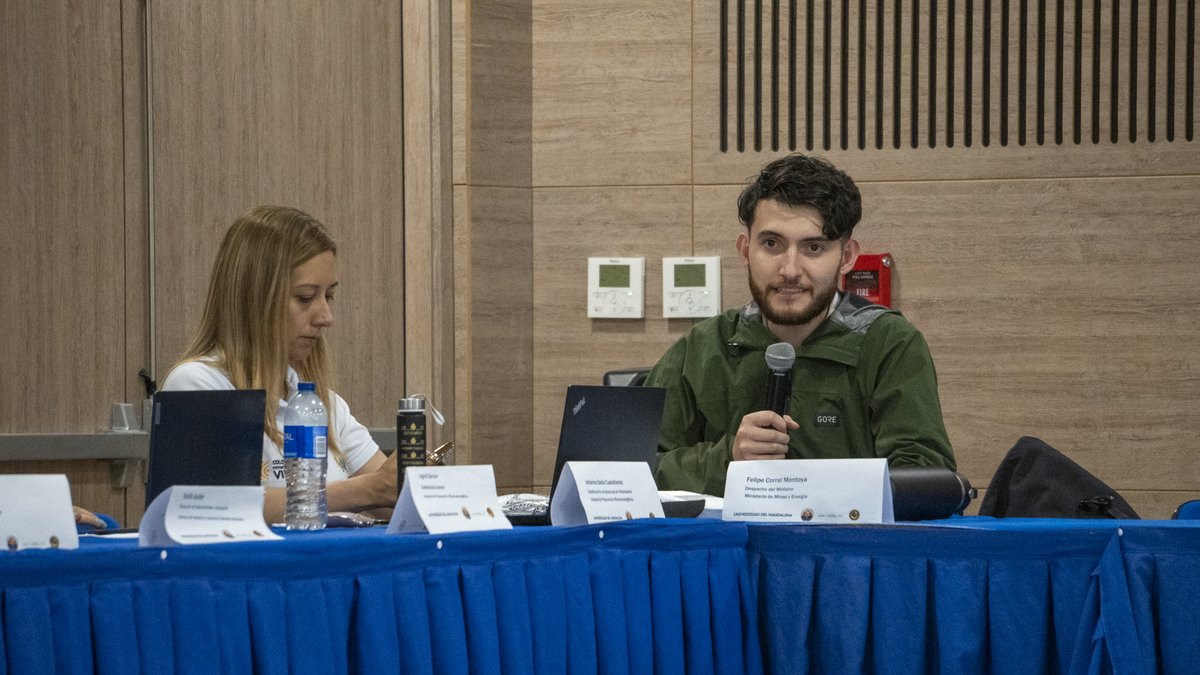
(630, 377)
(1189, 510)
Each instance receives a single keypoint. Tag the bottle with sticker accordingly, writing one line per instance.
(305, 436)
(410, 435)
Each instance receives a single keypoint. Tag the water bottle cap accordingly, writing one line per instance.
(306, 386)
(412, 404)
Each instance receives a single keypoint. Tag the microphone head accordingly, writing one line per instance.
(780, 357)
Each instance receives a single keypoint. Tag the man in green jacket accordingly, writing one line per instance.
(863, 384)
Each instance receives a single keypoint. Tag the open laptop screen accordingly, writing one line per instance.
(205, 438)
(613, 424)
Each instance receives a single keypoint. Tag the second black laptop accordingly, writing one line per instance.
(205, 438)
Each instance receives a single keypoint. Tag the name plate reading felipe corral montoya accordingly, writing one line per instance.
(809, 491)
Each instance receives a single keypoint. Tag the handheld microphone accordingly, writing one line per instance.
(780, 357)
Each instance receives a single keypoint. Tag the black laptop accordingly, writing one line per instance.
(205, 438)
(609, 424)
(599, 423)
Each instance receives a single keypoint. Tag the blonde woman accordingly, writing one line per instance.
(270, 300)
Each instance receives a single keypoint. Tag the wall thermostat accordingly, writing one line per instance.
(691, 287)
(616, 287)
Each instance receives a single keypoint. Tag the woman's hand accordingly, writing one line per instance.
(88, 518)
(379, 480)
(386, 482)
(374, 486)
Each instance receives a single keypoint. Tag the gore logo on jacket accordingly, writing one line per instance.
(828, 418)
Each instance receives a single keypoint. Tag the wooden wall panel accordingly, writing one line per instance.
(1057, 309)
(611, 92)
(62, 253)
(715, 229)
(493, 266)
(296, 104)
(461, 87)
(428, 244)
(498, 274)
(501, 94)
(464, 398)
(137, 179)
(569, 348)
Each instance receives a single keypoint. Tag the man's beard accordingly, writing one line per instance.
(820, 304)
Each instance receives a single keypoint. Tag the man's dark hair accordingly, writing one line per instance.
(803, 180)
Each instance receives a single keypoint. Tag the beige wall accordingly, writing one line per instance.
(241, 117)
(1052, 281)
(73, 232)
(61, 180)
(136, 131)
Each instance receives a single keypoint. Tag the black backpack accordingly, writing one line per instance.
(1036, 481)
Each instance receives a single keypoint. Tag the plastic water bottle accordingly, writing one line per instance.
(305, 435)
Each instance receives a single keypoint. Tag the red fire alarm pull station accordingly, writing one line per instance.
(871, 278)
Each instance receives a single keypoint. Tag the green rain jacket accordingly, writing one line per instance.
(863, 386)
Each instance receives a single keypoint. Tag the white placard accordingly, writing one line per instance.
(809, 491)
(601, 492)
(441, 499)
(35, 512)
(205, 514)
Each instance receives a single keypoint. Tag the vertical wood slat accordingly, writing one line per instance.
(1190, 66)
(775, 42)
(865, 18)
(1154, 78)
(427, 240)
(880, 84)
(862, 74)
(757, 62)
(792, 79)
(896, 79)
(137, 259)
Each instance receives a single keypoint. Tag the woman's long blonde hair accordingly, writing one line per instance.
(245, 316)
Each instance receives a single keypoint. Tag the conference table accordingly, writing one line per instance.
(961, 595)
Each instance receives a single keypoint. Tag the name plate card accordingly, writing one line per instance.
(442, 499)
(205, 514)
(35, 512)
(809, 491)
(602, 492)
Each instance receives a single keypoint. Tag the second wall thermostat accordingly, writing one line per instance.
(616, 287)
(691, 287)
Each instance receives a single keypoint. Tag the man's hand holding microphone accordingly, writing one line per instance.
(764, 434)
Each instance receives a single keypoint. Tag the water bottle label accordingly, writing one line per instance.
(410, 438)
(303, 442)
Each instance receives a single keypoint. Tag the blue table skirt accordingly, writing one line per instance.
(627, 598)
(977, 595)
(967, 595)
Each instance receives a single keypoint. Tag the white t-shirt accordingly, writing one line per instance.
(355, 442)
